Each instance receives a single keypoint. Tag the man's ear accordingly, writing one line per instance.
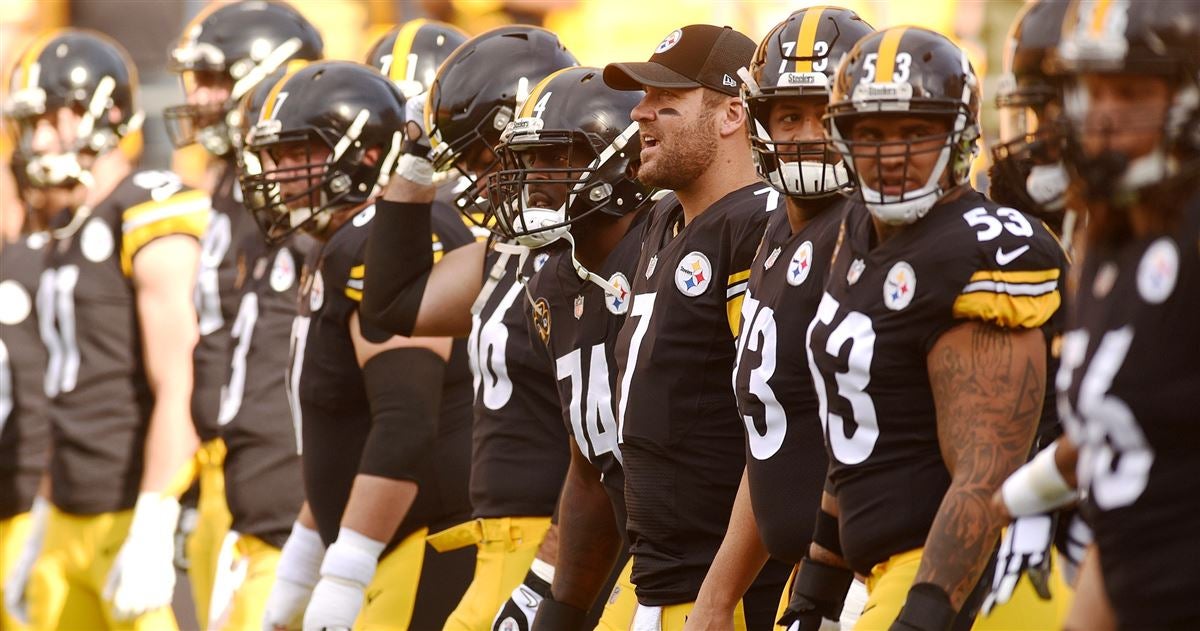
(733, 117)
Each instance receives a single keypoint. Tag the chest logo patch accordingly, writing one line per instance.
(617, 298)
(1158, 271)
(855, 272)
(539, 261)
(899, 287)
(694, 274)
(578, 306)
(541, 319)
(15, 303)
(283, 273)
(772, 257)
(96, 242)
(651, 265)
(316, 295)
(800, 265)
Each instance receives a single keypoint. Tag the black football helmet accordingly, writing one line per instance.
(411, 53)
(475, 94)
(243, 42)
(799, 58)
(1027, 170)
(326, 139)
(907, 71)
(1142, 38)
(80, 69)
(571, 153)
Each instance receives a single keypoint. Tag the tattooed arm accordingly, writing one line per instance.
(988, 384)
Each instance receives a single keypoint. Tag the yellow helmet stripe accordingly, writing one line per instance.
(806, 38)
(1099, 17)
(885, 64)
(268, 109)
(528, 105)
(402, 47)
(31, 56)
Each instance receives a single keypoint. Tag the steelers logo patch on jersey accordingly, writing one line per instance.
(283, 273)
(694, 274)
(316, 295)
(617, 299)
(541, 319)
(363, 218)
(899, 287)
(800, 265)
(539, 261)
(15, 303)
(1158, 271)
(96, 242)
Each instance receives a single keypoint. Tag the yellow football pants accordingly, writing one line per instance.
(889, 582)
(13, 532)
(68, 579)
(506, 547)
(622, 606)
(204, 543)
(392, 595)
(258, 560)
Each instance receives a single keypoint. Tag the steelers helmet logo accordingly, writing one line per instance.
(1158, 271)
(694, 274)
(96, 242)
(800, 265)
(899, 287)
(617, 298)
(669, 41)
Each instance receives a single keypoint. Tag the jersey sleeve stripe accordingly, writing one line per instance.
(155, 220)
(733, 311)
(1008, 310)
(358, 271)
(738, 277)
(1030, 276)
(736, 290)
(353, 294)
(1014, 289)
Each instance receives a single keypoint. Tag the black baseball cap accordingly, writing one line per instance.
(689, 57)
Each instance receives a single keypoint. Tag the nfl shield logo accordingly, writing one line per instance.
(578, 306)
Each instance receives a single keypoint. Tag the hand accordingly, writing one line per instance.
(295, 576)
(818, 592)
(17, 580)
(416, 141)
(415, 171)
(143, 577)
(348, 568)
(1024, 549)
(519, 610)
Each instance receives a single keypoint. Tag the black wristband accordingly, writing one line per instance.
(927, 608)
(400, 257)
(826, 533)
(404, 387)
(823, 586)
(537, 584)
(557, 616)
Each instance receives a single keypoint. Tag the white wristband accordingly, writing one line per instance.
(415, 169)
(1037, 487)
(542, 570)
(300, 560)
(352, 557)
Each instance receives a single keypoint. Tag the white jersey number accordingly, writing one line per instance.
(243, 330)
(591, 411)
(56, 322)
(856, 330)
(486, 347)
(759, 336)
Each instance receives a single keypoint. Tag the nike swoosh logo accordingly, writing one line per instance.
(1004, 258)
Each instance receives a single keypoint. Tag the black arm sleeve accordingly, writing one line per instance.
(404, 387)
(399, 254)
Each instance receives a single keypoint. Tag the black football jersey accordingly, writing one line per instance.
(24, 428)
(1129, 391)
(885, 306)
(217, 299)
(682, 439)
(785, 446)
(263, 485)
(519, 457)
(100, 401)
(328, 385)
(576, 322)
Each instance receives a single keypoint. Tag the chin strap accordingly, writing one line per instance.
(507, 251)
(586, 274)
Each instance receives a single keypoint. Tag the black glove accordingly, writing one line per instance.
(927, 608)
(818, 592)
(518, 611)
(556, 616)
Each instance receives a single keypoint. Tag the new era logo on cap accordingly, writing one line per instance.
(689, 57)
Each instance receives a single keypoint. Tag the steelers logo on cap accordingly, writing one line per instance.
(669, 42)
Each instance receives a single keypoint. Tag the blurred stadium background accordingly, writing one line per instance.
(597, 31)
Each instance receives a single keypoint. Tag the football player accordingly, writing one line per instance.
(116, 316)
(568, 164)
(384, 419)
(24, 429)
(927, 350)
(519, 455)
(785, 92)
(221, 56)
(682, 441)
(1130, 380)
